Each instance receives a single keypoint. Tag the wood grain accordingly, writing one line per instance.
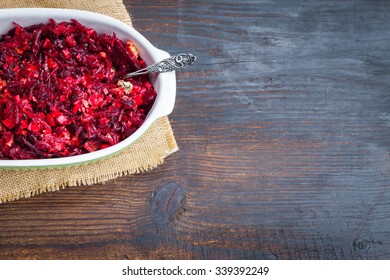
(283, 126)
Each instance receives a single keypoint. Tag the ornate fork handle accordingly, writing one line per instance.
(169, 64)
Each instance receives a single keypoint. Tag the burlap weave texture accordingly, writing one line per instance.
(148, 152)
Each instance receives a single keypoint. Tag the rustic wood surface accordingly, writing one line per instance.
(284, 133)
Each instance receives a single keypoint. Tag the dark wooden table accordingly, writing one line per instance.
(284, 133)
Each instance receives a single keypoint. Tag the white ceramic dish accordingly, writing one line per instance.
(165, 84)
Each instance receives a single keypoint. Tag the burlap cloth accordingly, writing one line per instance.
(148, 152)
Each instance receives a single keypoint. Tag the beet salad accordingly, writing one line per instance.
(61, 93)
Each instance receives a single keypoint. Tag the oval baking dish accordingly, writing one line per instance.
(164, 84)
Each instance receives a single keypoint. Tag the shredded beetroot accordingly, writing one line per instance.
(60, 93)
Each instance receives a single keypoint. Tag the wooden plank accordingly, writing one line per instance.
(283, 127)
